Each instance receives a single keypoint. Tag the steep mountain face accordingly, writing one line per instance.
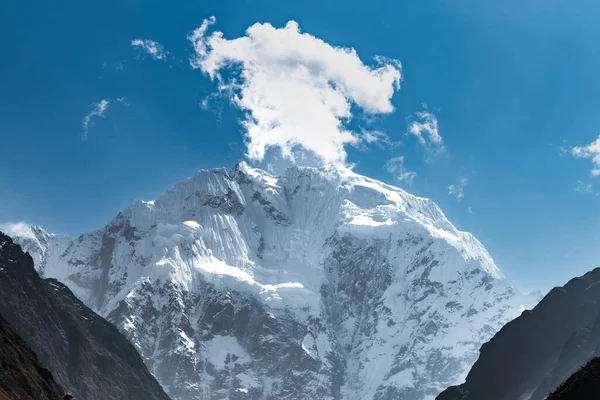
(317, 284)
(21, 374)
(532, 355)
(86, 354)
(582, 385)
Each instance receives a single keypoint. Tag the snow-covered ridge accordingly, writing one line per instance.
(321, 283)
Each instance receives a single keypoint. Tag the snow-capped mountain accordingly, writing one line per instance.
(317, 284)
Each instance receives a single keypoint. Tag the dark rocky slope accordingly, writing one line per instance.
(86, 354)
(582, 385)
(532, 355)
(21, 374)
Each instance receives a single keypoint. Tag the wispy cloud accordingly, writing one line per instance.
(583, 187)
(458, 189)
(154, 49)
(395, 166)
(590, 151)
(117, 66)
(586, 189)
(424, 126)
(377, 137)
(98, 110)
(372, 137)
(296, 89)
(123, 101)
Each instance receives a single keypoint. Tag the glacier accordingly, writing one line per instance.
(316, 284)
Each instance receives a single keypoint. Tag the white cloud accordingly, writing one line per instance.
(563, 149)
(123, 101)
(458, 189)
(119, 65)
(583, 187)
(21, 229)
(591, 151)
(98, 111)
(586, 188)
(424, 126)
(295, 88)
(156, 50)
(395, 166)
(370, 137)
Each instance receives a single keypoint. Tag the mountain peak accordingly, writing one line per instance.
(318, 276)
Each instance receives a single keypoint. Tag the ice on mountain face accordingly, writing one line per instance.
(317, 284)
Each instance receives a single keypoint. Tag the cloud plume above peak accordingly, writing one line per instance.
(295, 88)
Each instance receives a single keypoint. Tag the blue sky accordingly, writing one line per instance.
(513, 88)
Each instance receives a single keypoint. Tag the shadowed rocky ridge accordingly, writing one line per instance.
(21, 374)
(532, 355)
(582, 385)
(85, 353)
